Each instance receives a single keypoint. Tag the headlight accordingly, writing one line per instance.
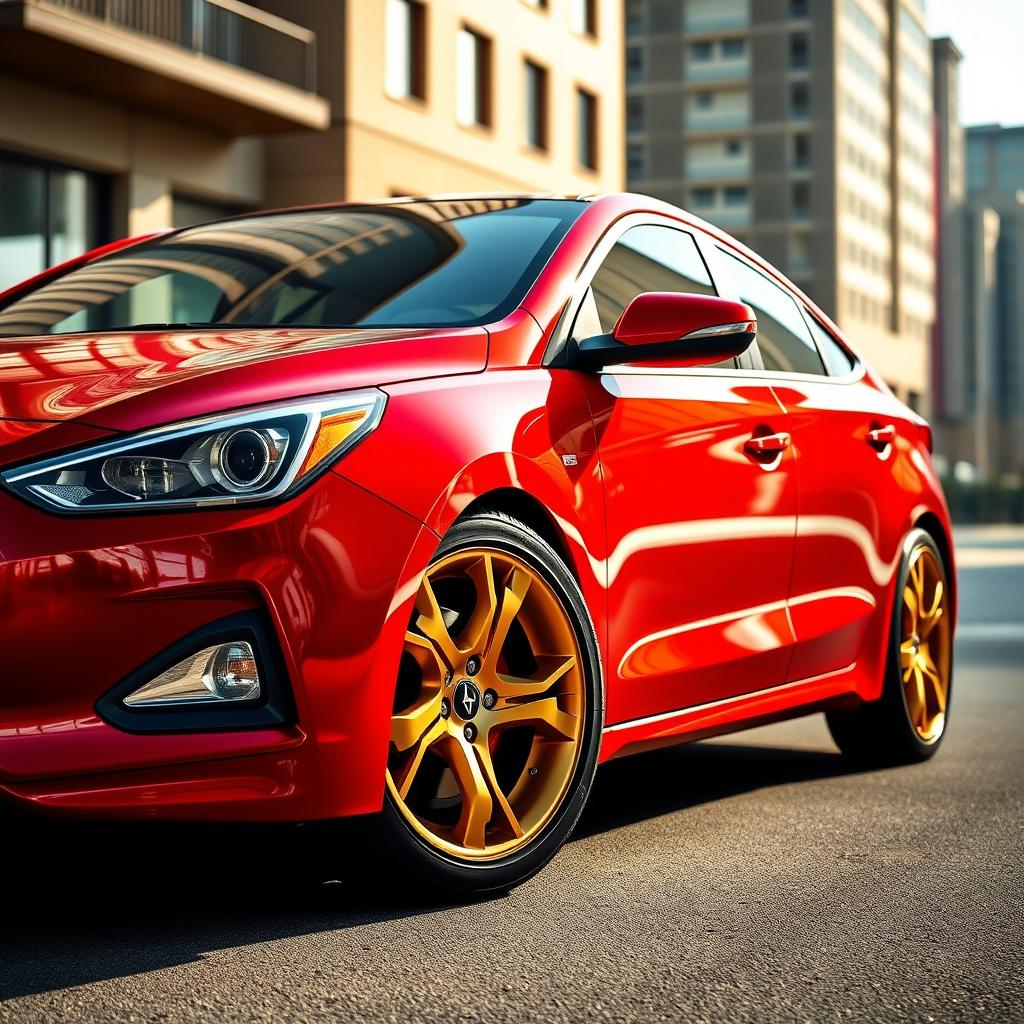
(253, 455)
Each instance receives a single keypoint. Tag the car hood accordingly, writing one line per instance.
(123, 382)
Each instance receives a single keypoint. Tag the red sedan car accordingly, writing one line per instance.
(412, 513)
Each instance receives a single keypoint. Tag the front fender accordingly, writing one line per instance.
(444, 444)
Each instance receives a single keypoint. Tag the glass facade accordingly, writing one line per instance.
(47, 214)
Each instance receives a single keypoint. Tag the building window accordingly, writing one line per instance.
(636, 162)
(634, 64)
(703, 197)
(799, 50)
(636, 114)
(540, 5)
(536, 105)
(636, 17)
(583, 17)
(798, 9)
(733, 48)
(801, 202)
(472, 78)
(802, 150)
(700, 51)
(586, 121)
(49, 214)
(799, 99)
(733, 147)
(704, 100)
(406, 49)
(736, 195)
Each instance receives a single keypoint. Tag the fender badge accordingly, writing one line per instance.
(569, 460)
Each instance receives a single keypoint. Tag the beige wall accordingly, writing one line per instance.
(150, 157)
(408, 146)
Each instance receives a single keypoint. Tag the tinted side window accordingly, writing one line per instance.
(648, 258)
(837, 359)
(782, 334)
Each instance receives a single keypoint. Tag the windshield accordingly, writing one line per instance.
(422, 264)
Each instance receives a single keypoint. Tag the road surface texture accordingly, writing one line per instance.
(754, 878)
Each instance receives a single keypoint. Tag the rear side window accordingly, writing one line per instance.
(837, 359)
(648, 258)
(783, 337)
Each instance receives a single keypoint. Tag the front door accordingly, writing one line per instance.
(700, 522)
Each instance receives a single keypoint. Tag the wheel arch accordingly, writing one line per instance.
(531, 512)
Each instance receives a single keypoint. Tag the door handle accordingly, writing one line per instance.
(881, 437)
(767, 444)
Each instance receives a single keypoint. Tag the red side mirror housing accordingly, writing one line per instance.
(676, 327)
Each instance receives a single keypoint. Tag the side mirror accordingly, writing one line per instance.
(684, 329)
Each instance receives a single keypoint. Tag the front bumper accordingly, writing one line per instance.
(85, 602)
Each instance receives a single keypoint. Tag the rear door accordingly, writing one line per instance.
(700, 529)
(845, 435)
(854, 441)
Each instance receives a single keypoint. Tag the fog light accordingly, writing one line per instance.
(216, 675)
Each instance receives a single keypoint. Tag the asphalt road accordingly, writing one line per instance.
(749, 879)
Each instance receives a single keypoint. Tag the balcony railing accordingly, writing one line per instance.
(225, 30)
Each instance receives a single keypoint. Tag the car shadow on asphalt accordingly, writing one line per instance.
(85, 903)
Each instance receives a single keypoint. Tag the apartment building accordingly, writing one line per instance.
(805, 129)
(122, 116)
(982, 421)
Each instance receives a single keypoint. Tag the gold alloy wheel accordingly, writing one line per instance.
(925, 645)
(489, 707)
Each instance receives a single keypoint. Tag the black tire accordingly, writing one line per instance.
(880, 732)
(388, 851)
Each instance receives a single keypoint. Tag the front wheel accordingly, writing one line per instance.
(909, 720)
(497, 715)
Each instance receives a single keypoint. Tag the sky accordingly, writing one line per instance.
(989, 33)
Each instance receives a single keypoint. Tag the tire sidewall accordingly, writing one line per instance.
(439, 870)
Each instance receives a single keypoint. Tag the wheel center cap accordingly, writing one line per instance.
(466, 700)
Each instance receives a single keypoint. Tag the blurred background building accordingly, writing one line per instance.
(825, 133)
(803, 127)
(123, 116)
(980, 393)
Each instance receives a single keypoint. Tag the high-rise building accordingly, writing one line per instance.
(805, 129)
(122, 117)
(951, 403)
(993, 440)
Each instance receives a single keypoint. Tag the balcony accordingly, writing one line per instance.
(718, 70)
(220, 64)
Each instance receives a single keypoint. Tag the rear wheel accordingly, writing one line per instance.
(909, 721)
(497, 715)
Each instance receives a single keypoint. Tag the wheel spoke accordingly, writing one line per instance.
(409, 727)
(487, 767)
(424, 650)
(431, 621)
(477, 804)
(913, 606)
(935, 685)
(512, 595)
(544, 714)
(919, 697)
(936, 602)
(481, 621)
(930, 622)
(907, 651)
(408, 774)
(550, 668)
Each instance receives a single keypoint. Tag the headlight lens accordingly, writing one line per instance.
(253, 455)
